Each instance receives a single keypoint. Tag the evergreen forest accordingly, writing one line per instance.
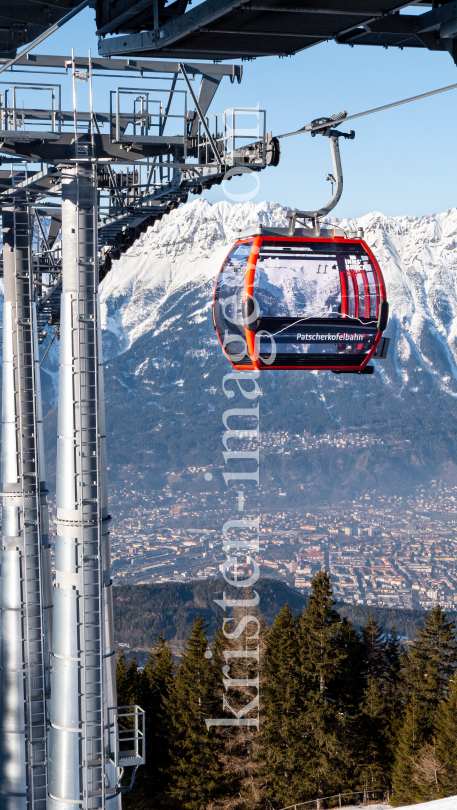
(304, 709)
(141, 612)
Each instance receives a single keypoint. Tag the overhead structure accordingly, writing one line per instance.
(230, 29)
(83, 685)
(233, 29)
(22, 22)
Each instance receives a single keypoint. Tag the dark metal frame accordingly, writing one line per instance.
(228, 29)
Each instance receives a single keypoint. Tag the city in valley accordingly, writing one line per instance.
(380, 550)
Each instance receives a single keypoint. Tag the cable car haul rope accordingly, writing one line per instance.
(309, 128)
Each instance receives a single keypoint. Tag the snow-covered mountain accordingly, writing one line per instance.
(164, 361)
(418, 257)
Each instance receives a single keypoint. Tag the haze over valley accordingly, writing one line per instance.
(357, 473)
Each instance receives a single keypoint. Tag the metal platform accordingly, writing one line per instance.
(230, 29)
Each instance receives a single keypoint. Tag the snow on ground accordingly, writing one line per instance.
(438, 804)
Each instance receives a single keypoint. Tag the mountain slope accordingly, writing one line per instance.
(164, 366)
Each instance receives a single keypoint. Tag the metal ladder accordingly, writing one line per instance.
(30, 519)
(88, 446)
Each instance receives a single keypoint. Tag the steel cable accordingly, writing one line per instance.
(376, 109)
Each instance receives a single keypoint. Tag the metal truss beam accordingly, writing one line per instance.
(134, 66)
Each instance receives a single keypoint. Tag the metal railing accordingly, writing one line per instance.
(128, 725)
(148, 117)
(235, 137)
(15, 115)
(354, 797)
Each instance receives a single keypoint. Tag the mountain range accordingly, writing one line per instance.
(164, 366)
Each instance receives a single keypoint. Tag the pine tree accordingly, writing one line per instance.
(375, 653)
(239, 747)
(326, 760)
(321, 653)
(282, 701)
(155, 688)
(375, 760)
(134, 683)
(381, 660)
(431, 661)
(446, 742)
(351, 677)
(128, 681)
(196, 777)
(122, 680)
(412, 736)
(394, 652)
(395, 704)
(128, 684)
(428, 667)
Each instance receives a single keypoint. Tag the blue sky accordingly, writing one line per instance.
(401, 162)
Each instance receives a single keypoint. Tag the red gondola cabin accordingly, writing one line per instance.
(312, 303)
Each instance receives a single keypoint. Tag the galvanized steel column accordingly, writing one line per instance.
(83, 684)
(23, 632)
(46, 568)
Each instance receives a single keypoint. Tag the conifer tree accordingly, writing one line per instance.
(446, 742)
(351, 678)
(128, 684)
(122, 680)
(411, 738)
(196, 775)
(128, 681)
(155, 689)
(431, 660)
(395, 704)
(325, 758)
(134, 683)
(375, 653)
(375, 756)
(375, 759)
(321, 654)
(348, 698)
(240, 644)
(428, 667)
(394, 653)
(282, 703)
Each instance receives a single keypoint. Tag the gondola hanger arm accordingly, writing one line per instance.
(323, 126)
